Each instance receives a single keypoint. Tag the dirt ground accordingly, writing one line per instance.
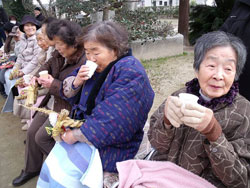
(169, 75)
(166, 76)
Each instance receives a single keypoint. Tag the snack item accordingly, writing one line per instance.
(32, 92)
(14, 74)
(20, 82)
(92, 67)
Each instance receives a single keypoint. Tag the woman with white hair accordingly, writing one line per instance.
(209, 138)
(24, 113)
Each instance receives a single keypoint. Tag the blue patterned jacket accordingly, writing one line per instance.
(116, 123)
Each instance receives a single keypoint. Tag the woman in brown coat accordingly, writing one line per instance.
(209, 138)
(68, 56)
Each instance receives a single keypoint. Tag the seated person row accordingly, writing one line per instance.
(114, 103)
(209, 138)
(67, 56)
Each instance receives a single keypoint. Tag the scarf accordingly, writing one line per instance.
(193, 87)
(97, 86)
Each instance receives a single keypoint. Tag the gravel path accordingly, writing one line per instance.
(169, 75)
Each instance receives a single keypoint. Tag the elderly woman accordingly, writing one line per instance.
(27, 58)
(19, 110)
(209, 138)
(68, 56)
(114, 104)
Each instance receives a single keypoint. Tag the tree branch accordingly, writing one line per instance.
(28, 5)
(43, 8)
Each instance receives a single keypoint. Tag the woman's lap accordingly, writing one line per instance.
(74, 165)
(8, 83)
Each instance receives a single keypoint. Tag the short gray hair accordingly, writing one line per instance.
(215, 39)
(110, 34)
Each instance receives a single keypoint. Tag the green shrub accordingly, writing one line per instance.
(143, 24)
(15, 8)
(204, 19)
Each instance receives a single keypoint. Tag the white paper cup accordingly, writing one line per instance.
(43, 74)
(92, 67)
(27, 78)
(188, 98)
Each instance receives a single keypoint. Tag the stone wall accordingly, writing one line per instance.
(170, 46)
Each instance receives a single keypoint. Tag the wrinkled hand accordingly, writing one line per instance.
(173, 110)
(20, 73)
(81, 76)
(196, 116)
(46, 82)
(68, 137)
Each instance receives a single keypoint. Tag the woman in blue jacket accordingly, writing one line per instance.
(114, 102)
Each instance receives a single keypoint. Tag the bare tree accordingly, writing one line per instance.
(43, 8)
(28, 5)
(51, 8)
(183, 24)
(106, 8)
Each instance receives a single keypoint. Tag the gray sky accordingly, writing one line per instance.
(43, 1)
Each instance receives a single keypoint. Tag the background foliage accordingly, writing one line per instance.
(143, 24)
(204, 19)
(16, 8)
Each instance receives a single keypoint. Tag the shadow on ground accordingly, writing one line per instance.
(11, 149)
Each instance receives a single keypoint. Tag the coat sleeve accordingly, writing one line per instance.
(160, 138)
(56, 84)
(230, 155)
(19, 61)
(55, 87)
(122, 112)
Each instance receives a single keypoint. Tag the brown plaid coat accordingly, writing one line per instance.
(225, 162)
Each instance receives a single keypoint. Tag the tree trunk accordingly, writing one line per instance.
(131, 4)
(183, 24)
(105, 11)
(105, 14)
(52, 9)
(44, 10)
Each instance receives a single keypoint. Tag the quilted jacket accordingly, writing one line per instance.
(225, 162)
(28, 53)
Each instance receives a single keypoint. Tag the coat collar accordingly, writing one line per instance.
(74, 59)
(24, 37)
(193, 87)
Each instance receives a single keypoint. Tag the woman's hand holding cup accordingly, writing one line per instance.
(81, 76)
(45, 81)
(196, 116)
(173, 110)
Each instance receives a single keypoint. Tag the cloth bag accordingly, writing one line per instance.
(78, 165)
(158, 174)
